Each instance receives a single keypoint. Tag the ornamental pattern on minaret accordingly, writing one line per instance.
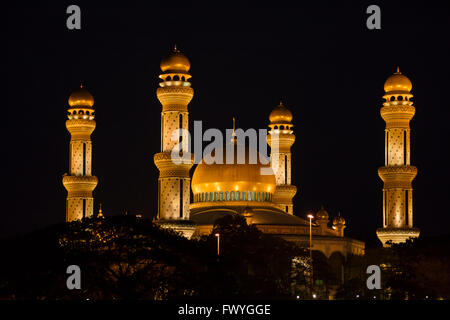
(281, 138)
(397, 173)
(174, 93)
(80, 182)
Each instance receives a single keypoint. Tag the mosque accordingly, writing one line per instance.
(223, 188)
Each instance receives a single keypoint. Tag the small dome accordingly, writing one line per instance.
(338, 220)
(81, 98)
(176, 61)
(397, 82)
(280, 114)
(322, 214)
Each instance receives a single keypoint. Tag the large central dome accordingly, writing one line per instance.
(246, 180)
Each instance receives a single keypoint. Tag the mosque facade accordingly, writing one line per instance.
(239, 188)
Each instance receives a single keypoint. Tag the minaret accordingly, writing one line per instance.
(397, 174)
(175, 93)
(281, 138)
(80, 182)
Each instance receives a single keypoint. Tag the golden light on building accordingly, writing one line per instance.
(282, 136)
(174, 93)
(80, 182)
(397, 173)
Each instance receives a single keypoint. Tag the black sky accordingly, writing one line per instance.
(318, 57)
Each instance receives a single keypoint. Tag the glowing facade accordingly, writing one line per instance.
(397, 173)
(80, 182)
(174, 93)
(281, 138)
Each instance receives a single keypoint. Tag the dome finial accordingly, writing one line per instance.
(175, 48)
(281, 103)
(100, 212)
(398, 70)
(234, 127)
(81, 85)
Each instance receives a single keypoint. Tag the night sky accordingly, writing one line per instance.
(318, 57)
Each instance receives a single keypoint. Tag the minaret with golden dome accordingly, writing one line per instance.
(175, 93)
(397, 173)
(281, 138)
(80, 182)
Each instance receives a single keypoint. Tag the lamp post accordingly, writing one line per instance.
(218, 244)
(310, 217)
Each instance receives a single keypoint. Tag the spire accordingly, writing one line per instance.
(175, 49)
(398, 70)
(234, 127)
(100, 212)
(81, 85)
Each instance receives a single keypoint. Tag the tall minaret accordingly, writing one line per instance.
(175, 93)
(397, 174)
(80, 182)
(281, 138)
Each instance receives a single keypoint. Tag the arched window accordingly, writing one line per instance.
(81, 112)
(392, 98)
(74, 111)
(211, 196)
(203, 196)
(183, 78)
(276, 127)
(400, 98)
(206, 196)
(226, 196)
(281, 127)
(168, 78)
(216, 196)
(221, 196)
(238, 195)
(87, 112)
(258, 196)
(176, 78)
(243, 195)
(249, 195)
(232, 195)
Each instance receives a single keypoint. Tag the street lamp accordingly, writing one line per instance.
(310, 216)
(218, 244)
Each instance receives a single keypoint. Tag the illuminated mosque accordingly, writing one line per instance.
(220, 189)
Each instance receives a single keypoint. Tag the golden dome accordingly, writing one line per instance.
(322, 214)
(176, 62)
(280, 114)
(397, 82)
(81, 98)
(338, 220)
(245, 177)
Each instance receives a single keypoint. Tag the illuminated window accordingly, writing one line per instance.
(216, 196)
(221, 196)
(206, 196)
(203, 196)
(243, 195)
(211, 196)
(238, 195)
(226, 196)
(232, 196)
(253, 196)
